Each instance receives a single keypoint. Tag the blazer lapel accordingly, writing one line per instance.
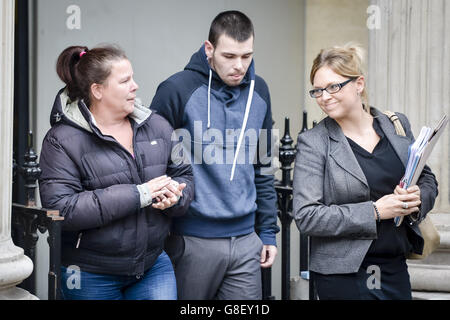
(341, 151)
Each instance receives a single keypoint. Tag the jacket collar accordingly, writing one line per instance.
(76, 112)
(342, 153)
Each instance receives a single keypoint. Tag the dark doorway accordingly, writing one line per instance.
(21, 96)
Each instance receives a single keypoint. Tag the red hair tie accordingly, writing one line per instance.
(82, 53)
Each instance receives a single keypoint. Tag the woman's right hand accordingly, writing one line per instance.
(392, 205)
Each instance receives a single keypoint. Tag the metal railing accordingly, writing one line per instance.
(27, 219)
(284, 190)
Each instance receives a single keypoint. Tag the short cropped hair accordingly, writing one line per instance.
(234, 24)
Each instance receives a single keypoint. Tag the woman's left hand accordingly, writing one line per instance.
(411, 190)
(171, 195)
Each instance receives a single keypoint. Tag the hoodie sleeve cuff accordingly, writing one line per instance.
(268, 239)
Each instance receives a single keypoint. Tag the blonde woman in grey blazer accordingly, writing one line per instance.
(346, 191)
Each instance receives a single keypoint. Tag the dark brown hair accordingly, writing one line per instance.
(78, 67)
(234, 24)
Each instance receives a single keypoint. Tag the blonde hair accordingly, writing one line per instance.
(346, 60)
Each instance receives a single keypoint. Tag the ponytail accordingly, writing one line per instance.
(66, 66)
(79, 68)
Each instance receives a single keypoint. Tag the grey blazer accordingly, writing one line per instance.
(332, 197)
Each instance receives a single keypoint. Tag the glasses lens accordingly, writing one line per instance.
(333, 88)
(316, 93)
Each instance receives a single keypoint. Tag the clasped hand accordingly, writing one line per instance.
(401, 202)
(166, 191)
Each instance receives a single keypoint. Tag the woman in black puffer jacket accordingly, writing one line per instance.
(106, 166)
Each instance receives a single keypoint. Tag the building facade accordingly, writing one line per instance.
(408, 67)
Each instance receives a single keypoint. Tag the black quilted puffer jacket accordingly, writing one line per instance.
(92, 180)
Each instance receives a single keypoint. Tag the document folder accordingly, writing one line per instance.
(418, 154)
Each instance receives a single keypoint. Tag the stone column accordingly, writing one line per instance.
(409, 71)
(14, 265)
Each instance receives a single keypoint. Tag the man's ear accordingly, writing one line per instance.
(97, 91)
(209, 49)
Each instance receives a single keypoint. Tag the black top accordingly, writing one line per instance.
(383, 170)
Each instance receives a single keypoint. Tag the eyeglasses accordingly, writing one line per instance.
(332, 88)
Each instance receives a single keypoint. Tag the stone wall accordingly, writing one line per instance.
(409, 72)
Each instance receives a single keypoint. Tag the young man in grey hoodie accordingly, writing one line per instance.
(221, 111)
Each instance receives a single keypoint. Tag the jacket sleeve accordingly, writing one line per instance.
(169, 102)
(312, 216)
(266, 198)
(427, 182)
(61, 189)
(182, 173)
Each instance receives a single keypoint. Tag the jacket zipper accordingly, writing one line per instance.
(137, 161)
(79, 240)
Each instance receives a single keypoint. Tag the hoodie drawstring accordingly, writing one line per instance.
(209, 98)
(244, 124)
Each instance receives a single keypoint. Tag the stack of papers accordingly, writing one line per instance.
(418, 154)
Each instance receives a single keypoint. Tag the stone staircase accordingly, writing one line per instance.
(430, 278)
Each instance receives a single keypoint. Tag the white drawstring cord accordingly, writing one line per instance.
(244, 124)
(209, 99)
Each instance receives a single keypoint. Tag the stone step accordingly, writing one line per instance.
(432, 274)
(428, 277)
(442, 255)
(441, 220)
(424, 295)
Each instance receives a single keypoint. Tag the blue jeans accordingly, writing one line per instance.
(158, 283)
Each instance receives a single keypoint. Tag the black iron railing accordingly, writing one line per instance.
(284, 193)
(28, 219)
(284, 190)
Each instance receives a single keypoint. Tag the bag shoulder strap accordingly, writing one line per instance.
(396, 121)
